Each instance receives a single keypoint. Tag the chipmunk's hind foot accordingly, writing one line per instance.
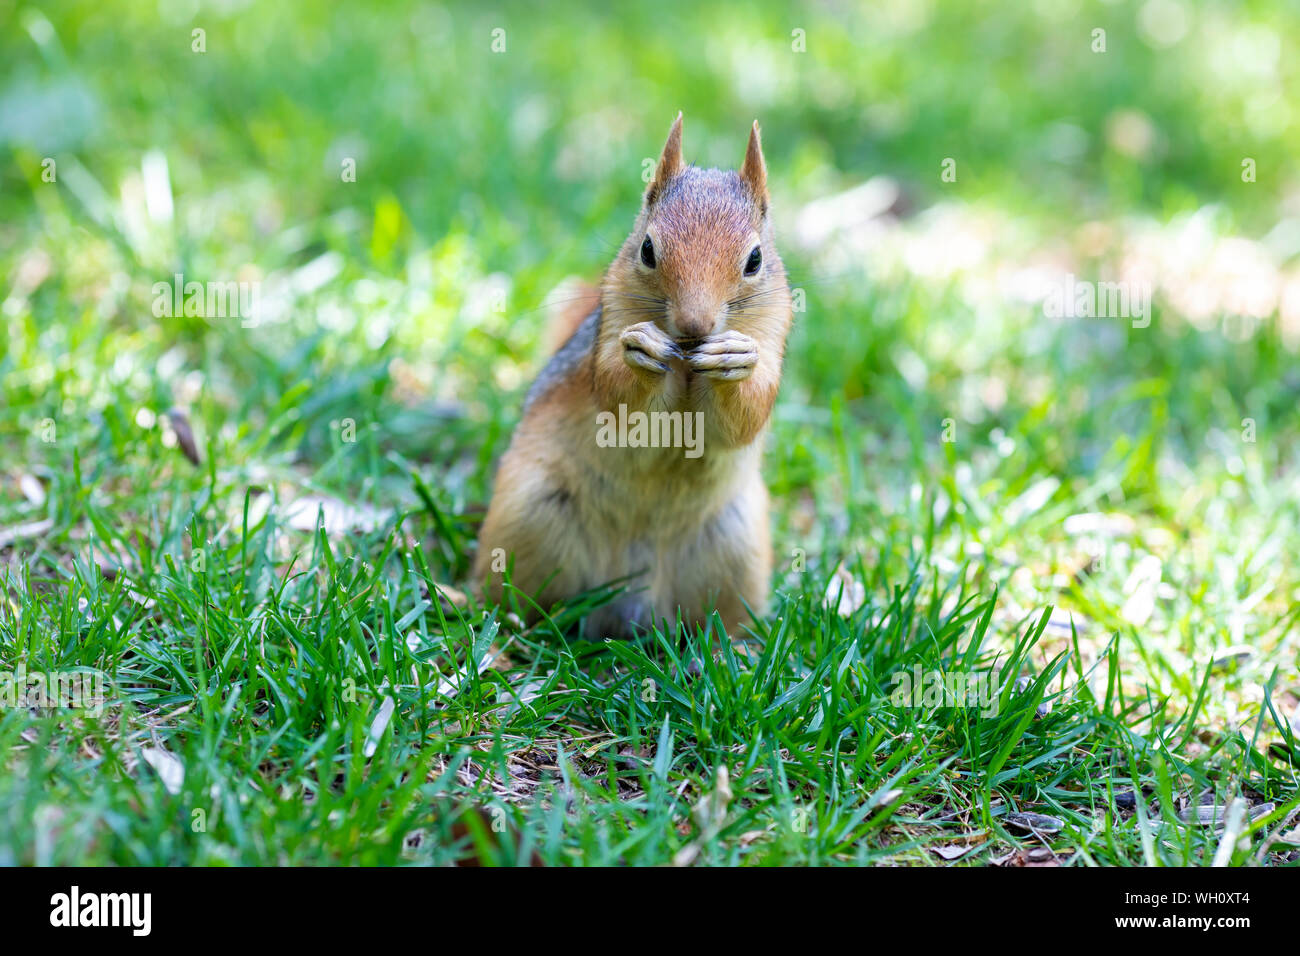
(626, 617)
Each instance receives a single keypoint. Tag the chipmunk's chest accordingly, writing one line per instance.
(657, 439)
(647, 491)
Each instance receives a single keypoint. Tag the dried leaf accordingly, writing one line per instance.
(1141, 589)
(454, 596)
(952, 851)
(32, 489)
(710, 814)
(33, 529)
(1097, 523)
(1034, 822)
(711, 810)
(845, 593)
(1032, 500)
(169, 769)
(1236, 654)
(184, 434)
(378, 726)
(339, 516)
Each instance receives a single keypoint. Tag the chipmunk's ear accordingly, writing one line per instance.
(670, 162)
(754, 172)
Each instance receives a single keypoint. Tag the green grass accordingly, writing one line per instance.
(936, 442)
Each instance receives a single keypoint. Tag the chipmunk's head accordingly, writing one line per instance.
(701, 258)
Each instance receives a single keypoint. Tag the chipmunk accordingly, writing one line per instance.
(692, 319)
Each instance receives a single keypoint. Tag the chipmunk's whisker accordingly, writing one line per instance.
(657, 300)
(633, 317)
(756, 296)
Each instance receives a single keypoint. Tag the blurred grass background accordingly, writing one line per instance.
(412, 301)
(479, 171)
(482, 174)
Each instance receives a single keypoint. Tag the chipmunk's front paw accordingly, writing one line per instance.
(728, 357)
(647, 348)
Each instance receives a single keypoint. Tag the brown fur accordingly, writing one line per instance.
(692, 334)
(569, 313)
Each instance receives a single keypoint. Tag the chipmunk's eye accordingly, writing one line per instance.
(754, 262)
(648, 252)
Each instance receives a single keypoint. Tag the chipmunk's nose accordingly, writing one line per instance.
(695, 320)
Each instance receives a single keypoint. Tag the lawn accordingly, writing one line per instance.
(250, 533)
